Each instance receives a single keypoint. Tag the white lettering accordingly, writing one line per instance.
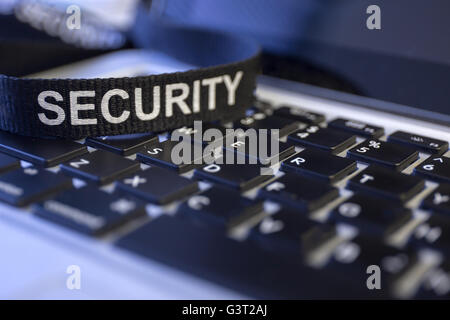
(105, 106)
(61, 116)
(75, 107)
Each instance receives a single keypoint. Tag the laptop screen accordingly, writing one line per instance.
(396, 51)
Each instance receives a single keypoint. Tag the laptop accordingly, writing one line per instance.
(357, 207)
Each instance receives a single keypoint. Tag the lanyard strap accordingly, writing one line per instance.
(221, 87)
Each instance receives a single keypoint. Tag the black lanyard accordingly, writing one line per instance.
(223, 85)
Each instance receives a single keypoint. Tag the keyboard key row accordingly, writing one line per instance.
(242, 266)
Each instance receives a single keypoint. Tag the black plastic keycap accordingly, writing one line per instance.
(261, 120)
(42, 152)
(158, 185)
(319, 164)
(436, 283)
(434, 233)
(220, 207)
(299, 114)
(384, 153)
(378, 181)
(89, 210)
(357, 127)
(371, 215)
(364, 254)
(8, 163)
(299, 192)
(438, 200)
(330, 140)
(124, 145)
(200, 135)
(238, 176)
(260, 149)
(168, 154)
(423, 143)
(100, 166)
(282, 232)
(24, 186)
(435, 168)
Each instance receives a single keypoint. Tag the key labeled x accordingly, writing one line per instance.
(135, 181)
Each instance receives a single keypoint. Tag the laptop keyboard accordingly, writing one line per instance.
(343, 197)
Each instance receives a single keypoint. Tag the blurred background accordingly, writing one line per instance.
(324, 43)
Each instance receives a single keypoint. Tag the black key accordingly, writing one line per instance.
(8, 163)
(299, 192)
(162, 154)
(298, 114)
(240, 266)
(261, 120)
(124, 145)
(158, 185)
(323, 138)
(354, 257)
(426, 144)
(371, 215)
(239, 176)
(384, 153)
(282, 232)
(319, 164)
(42, 152)
(100, 166)
(437, 169)
(24, 186)
(220, 207)
(438, 200)
(357, 127)
(198, 134)
(434, 233)
(89, 210)
(382, 182)
(262, 149)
